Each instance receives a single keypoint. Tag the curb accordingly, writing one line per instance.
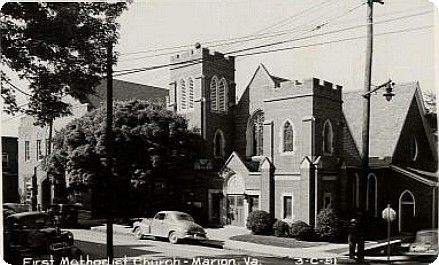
(276, 251)
(103, 229)
(243, 246)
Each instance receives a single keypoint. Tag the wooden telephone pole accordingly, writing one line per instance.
(366, 94)
(109, 148)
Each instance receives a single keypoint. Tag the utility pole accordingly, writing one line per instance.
(49, 176)
(109, 150)
(366, 95)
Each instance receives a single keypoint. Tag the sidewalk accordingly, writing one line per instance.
(220, 237)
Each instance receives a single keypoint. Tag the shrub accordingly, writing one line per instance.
(260, 223)
(328, 225)
(281, 228)
(302, 231)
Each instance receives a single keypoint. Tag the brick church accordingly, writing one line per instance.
(293, 147)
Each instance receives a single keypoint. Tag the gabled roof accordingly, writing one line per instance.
(124, 90)
(276, 80)
(235, 160)
(387, 118)
(428, 178)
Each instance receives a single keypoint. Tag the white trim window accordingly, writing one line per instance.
(287, 136)
(408, 199)
(287, 200)
(183, 96)
(48, 147)
(218, 94)
(218, 144)
(257, 134)
(26, 150)
(414, 150)
(327, 200)
(213, 93)
(39, 150)
(190, 93)
(222, 99)
(356, 190)
(328, 138)
(372, 194)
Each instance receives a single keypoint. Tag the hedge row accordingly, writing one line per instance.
(329, 227)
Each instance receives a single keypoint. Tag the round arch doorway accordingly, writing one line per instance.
(234, 189)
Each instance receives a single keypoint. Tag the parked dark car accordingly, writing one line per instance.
(64, 215)
(11, 208)
(32, 234)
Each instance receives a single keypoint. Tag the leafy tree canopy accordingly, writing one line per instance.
(148, 141)
(59, 48)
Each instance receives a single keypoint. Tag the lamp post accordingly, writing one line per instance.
(388, 86)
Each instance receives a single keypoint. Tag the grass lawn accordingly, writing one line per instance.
(285, 242)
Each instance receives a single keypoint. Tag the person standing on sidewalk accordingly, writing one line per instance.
(356, 239)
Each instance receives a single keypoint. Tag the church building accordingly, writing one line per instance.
(292, 147)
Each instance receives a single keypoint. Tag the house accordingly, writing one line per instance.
(292, 147)
(33, 140)
(10, 169)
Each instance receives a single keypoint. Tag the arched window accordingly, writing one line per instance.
(327, 138)
(356, 190)
(222, 95)
(218, 144)
(258, 134)
(213, 93)
(288, 137)
(190, 93)
(183, 94)
(371, 200)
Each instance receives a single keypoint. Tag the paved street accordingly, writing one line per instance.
(92, 243)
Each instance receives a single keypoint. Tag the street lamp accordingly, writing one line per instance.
(389, 90)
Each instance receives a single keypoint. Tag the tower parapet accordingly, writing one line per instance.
(204, 55)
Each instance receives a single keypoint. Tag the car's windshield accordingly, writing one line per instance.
(38, 220)
(184, 217)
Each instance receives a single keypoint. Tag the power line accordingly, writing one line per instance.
(295, 17)
(222, 40)
(320, 34)
(269, 35)
(330, 20)
(135, 70)
(195, 61)
(16, 88)
(333, 41)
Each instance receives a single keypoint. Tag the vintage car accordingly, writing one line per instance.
(32, 234)
(169, 224)
(11, 208)
(425, 244)
(64, 214)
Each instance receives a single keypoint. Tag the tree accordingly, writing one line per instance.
(430, 101)
(149, 142)
(57, 47)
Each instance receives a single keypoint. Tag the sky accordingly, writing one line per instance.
(409, 54)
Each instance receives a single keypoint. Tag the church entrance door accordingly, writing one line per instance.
(236, 210)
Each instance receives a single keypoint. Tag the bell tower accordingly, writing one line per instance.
(202, 88)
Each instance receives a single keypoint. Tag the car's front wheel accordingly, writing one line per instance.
(137, 233)
(173, 238)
